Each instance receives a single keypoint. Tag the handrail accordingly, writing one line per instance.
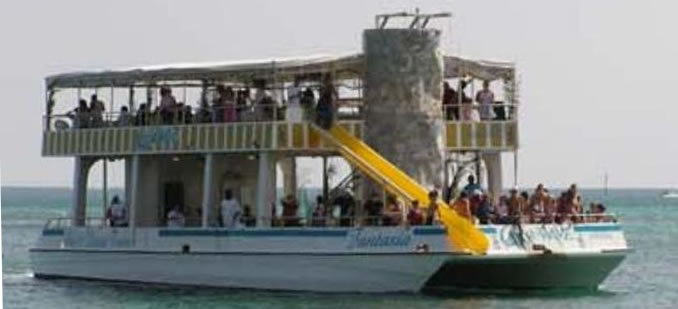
(348, 221)
(346, 109)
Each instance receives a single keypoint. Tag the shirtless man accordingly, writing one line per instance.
(516, 205)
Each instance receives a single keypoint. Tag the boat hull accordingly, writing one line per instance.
(365, 273)
(373, 273)
(362, 260)
(541, 271)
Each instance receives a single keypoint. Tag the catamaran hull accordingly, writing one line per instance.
(364, 273)
(542, 271)
(295, 272)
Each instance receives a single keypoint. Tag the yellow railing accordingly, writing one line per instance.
(249, 136)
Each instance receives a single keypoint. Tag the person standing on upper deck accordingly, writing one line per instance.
(167, 105)
(293, 112)
(124, 118)
(96, 111)
(230, 210)
(450, 102)
(485, 97)
(80, 115)
(326, 102)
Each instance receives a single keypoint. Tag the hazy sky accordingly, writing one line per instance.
(597, 77)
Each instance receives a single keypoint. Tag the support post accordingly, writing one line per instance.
(478, 166)
(207, 188)
(79, 201)
(128, 180)
(266, 187)
(104, 186)
(494, 176)
(515, 168)
(326, 182)
(135, 193)
(289, 170)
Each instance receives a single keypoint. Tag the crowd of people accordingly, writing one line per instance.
(459, 106)
(472, 203)
(225, 105)
(229, 104)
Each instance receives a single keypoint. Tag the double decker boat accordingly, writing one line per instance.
(389, 125)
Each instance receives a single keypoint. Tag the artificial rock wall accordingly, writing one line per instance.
(402, 91)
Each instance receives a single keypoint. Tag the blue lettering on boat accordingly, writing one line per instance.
(374, 238)
(158, 137)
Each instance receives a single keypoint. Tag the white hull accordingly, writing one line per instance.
(322, 273)
(364, 260)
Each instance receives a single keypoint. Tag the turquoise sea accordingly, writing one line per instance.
(648, 278)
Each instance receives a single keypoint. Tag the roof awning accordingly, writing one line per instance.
(480, 69)
(280, 70)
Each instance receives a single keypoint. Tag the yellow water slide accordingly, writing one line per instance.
(461, 233)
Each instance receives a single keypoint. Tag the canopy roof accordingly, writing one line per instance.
(280, 69)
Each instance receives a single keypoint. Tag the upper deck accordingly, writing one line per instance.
(258, 126)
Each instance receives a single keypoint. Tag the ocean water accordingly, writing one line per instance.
(648, 278)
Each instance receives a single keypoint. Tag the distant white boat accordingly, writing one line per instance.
(670, 194)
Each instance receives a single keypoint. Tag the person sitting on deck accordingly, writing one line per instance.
(537, 204)
(116, 214)
(471, 186)
(230, 210)
(392, 214)
(175, 218)
(516, 206)
(599, 214)
(570, 205)
(289, 214)
(462, 206)
(319, 216)
(247, 218)
(485, 97)
(501, 216)
(373, 209)
(484, 210)
(432, 209)
(415, 216)
(325, 107)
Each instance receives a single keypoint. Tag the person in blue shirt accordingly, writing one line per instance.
(471, 186)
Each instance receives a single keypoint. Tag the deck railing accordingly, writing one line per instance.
(346, 221)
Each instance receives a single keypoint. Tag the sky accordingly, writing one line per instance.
(595, 76)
